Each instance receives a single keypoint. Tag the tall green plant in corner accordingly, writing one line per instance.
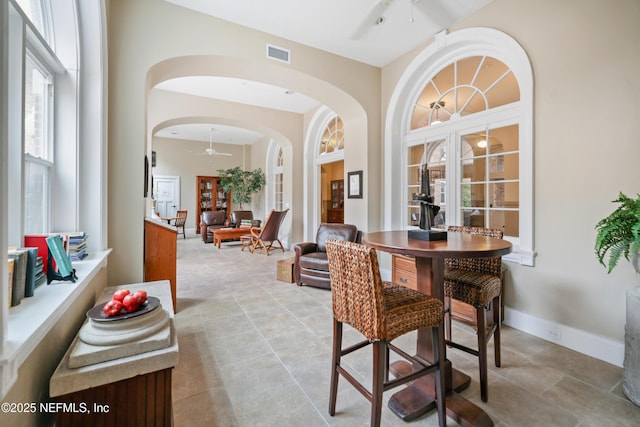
(242, 184)
(619, 233)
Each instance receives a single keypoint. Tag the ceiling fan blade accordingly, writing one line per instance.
(378, 10)
(435, 11)
(222, 154)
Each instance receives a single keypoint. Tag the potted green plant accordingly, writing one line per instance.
(619, 233)
(242, 184)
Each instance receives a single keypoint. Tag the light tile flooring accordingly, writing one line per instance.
(255, 351)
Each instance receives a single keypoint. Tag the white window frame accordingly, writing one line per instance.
(46, 161)
(24, 327)
(447, 49)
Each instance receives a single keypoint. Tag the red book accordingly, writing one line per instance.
(38, 241)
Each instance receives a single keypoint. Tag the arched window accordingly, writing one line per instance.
(278, 178)
(333, 137)
(467, 118)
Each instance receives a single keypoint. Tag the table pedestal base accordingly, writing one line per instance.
(418, 398)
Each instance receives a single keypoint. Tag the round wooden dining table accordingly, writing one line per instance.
(418, 397)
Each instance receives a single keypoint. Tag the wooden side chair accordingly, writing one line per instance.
(381, 311)
(181, 220)
(263, 238)
(477, 282)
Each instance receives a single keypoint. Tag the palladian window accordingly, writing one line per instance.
(463, 131)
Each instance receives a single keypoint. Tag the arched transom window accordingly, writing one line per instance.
(467, 86)
(332, 137)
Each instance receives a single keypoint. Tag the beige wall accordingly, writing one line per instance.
(586, 65)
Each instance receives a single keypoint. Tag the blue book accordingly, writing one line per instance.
(30, 281)
(59, 255)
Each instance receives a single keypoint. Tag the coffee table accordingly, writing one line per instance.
(221, 234)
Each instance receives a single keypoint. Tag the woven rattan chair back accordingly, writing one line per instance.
(381, 311)
(491, 266)
(356, 288)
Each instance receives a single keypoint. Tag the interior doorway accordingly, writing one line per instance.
(332, 192)
(166, 193)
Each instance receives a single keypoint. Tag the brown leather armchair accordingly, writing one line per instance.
(209, 221)
(311, 266)
(238, 216)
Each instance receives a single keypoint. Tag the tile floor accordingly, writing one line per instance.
(255, 351)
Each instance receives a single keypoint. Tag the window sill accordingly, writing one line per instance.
(31, 321)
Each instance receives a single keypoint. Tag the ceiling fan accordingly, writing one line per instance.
(212, 151)
(434, 9)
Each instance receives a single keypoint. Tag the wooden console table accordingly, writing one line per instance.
(160, 252)
(132, 390)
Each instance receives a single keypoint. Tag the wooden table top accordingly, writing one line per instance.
(457, 245)
(231, 232)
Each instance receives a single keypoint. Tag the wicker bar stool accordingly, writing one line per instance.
(381, 311)
(477, 282)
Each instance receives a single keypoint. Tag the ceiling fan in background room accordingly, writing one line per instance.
(212, 151)
(382, 11)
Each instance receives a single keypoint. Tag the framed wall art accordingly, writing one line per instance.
(354, 185)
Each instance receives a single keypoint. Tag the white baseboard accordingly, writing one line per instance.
(583, 342)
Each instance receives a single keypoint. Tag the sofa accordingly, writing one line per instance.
(238, 216)
(209, 221)
(311, 265)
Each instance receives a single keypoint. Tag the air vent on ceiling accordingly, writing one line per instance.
(278, 53)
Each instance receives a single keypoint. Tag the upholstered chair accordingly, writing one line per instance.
(209, 221)
(238, 216)
(311, 266)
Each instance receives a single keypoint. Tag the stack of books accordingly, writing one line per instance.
(77, 246)
(25, 273)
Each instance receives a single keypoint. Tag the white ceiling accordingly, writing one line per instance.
(342, 27)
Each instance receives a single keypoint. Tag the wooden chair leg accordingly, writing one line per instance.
(335, 362)
(379, 355)
(482, 350)
(447, 318)
(497, 319)
(438, 348)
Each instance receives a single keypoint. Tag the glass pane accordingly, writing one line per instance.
(420, 117)
(507, 220)
(36, 197)
(437, 153)
(35, 12)
(504, 140)
(35, 110)
(474, 170)
(416, 154)
(504, 167)
(504, 195)
(477, 195)
(505, 92)
(491, 71)
(473, 217)
(467, 68)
